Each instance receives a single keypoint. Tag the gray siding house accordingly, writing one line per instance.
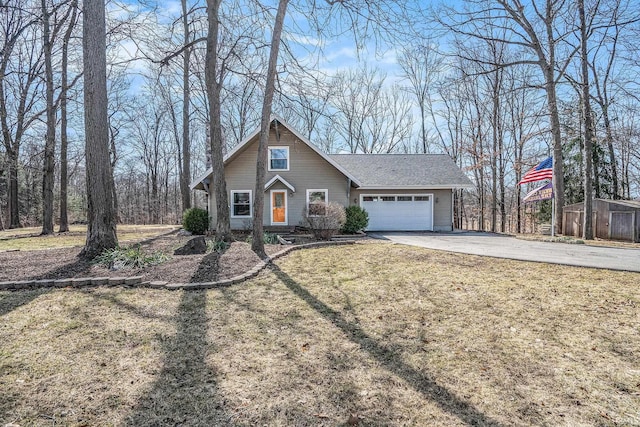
(399, 191)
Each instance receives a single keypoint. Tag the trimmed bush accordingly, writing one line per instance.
(357, 219)
(327, 221)
(195, 220)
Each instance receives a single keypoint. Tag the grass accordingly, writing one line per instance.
(578, 241)
(379, 334)
(29, 238)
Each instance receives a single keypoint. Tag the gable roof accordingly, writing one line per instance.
(204, 178)
(281, 180)
(404, 171)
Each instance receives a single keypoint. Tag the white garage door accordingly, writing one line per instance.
(401, 212)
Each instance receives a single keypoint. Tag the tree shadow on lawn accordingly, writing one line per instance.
(391, 359)
(186, 391)
(11, 300)
(78, 267)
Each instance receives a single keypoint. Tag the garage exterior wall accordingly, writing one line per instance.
(442, 206)
(307, 170)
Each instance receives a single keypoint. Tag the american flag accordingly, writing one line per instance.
(543, 170)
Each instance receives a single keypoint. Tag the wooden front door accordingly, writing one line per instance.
(278, 207)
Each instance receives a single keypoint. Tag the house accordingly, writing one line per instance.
(612, 219)
(399, 191)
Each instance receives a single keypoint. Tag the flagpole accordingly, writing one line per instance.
(553, 211)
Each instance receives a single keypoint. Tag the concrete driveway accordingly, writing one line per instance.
(501, 246)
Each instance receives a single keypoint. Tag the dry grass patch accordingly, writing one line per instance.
(30, 239)
(384, 334)
(579, 241)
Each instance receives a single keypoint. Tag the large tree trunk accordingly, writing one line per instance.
(64, 142)
(558, 173)
(101, 230)
(257, 243)
(587, 229)
(48, 177)
(185, 178)
(223, 227)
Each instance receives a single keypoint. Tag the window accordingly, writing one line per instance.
(316, 200)
(370, 198)
(421, 198)
(388, 198)
(278, 158)
(241, 204)
(405, 198)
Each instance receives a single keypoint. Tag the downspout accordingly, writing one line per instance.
(348, 191)
(453, 202)
(206, 190)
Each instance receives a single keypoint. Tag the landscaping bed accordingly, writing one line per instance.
(64, 263)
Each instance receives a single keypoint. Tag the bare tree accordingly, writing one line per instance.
(20, 66)
(538, 31)
(257, 244)
(185, 172)
(101, 229)
(64, 139)
(214, 77)
(587, 230)
(422, 66)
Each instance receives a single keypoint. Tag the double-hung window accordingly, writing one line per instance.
(241, 203)
(316, 202)
(278, 158)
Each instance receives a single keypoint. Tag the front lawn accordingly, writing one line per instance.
(373, 333)
(30, 238)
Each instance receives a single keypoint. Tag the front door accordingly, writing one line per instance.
(278, 207)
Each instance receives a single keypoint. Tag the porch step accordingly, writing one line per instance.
(279, 229)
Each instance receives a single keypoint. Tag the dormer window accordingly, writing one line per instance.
(278, 158)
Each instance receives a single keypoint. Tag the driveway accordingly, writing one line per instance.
(501, 246)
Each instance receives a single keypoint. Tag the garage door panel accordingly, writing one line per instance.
(399, 212)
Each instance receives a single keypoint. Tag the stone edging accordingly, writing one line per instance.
(138, 280)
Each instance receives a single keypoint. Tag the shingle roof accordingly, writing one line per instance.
(404, 170)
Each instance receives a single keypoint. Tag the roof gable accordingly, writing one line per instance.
(280, 179)
(247, 141)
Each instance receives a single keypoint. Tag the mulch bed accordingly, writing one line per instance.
(64, 263)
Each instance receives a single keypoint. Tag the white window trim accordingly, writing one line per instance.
(286, 207)
(250, 204)
(278, 147)
(314, 190)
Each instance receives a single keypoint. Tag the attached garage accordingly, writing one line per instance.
(400, 212)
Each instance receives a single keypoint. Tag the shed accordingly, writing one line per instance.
(612, 219)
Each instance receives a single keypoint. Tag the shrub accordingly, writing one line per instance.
(217, 246)
(325, 226)
(195, 220)
(357, 219)
(268, 238)
(129, 257)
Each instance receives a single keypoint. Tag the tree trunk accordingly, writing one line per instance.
(558, 173)
(494, 152)
(223, 227)
(185, 178)
(101, 229)
(615, 190)
(257, 243)
(48, 177)
(587, 229)
(14, 204)
(64, 178)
